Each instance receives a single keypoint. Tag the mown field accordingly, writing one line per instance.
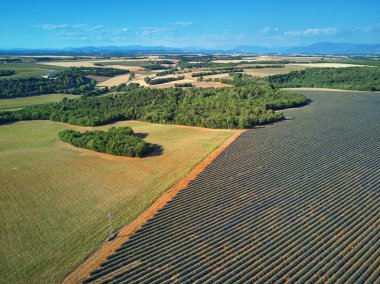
(294, 202)
(18, 103)
(55, 198)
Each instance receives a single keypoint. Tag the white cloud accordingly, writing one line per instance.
(82, 31)
(182, 24)
(313, 32)
(268, 30)
(146, 31)
(371, 28)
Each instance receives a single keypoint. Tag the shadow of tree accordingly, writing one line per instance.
(156, 150)
(141, 135)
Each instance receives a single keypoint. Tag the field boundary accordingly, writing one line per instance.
(96, 258)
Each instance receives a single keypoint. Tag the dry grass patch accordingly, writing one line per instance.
(263, 72)
(81, 63)
(114, 81)
(55, 199)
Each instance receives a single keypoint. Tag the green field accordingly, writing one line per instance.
(55, 198)
(18, 103)
(27, 69)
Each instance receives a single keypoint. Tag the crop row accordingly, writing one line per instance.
(296, 202)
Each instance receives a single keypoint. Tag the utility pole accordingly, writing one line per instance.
(110, 223)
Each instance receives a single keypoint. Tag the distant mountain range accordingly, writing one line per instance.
(322, 48)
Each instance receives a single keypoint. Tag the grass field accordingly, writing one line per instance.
(55, 198)
(18, 103)
(293, 202)
(27, 69)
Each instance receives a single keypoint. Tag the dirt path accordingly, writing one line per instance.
(94, 260)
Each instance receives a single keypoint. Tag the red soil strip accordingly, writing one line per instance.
(94, 260)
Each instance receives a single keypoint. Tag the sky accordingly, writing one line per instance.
(206, 23)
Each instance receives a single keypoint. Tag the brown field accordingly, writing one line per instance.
(84, 63)
(98, 79)
(114, 81)
(130, 68)
(217, 76)
(262, 72)
(63, 194)
(269, 58)
(90, 63)
(210, 85)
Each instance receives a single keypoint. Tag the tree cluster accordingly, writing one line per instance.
(158, 81)
(154, 66)
(70, 80)
(233, 107)
(352, 78)
(107, 72)
(183, 85)
(167, 72)
(7, 72)
(265, 66)
(116, 141)
(217, 71)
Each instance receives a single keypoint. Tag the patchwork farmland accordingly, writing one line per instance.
(294, 202)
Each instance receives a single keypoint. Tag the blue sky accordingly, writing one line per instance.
(210, 24)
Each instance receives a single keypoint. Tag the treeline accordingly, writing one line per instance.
(116, 141)
(7, 72)
(154, 67)
(107, 72)
(265, 66)
(166, 62)
(10, 60)
(352, 78)
(213, 72)
(208, 63)
(233, 107)
(167, 72)
(47, 58)
(183, 85)
(241, 79)
(359, 60)
(68, 81)
(158, 81)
